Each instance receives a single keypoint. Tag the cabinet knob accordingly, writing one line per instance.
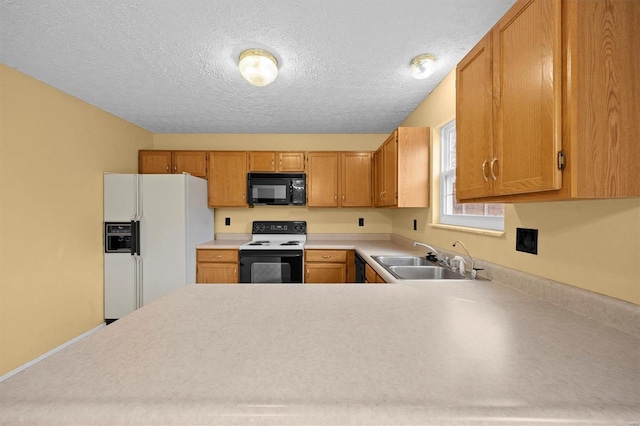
(484, 174)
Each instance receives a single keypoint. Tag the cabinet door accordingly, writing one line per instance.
(378, 180)
(217, 273)
(227, 179)
(527, 87)
(355, 180)
(192, 162)
(390, 170)
(474, 130)
(335, 273)
(154, 162)
(291, 161)
(262, 161)
(322, 179)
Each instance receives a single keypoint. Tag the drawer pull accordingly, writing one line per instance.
(326, 256)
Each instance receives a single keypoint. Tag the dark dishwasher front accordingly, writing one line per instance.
(360, 272)
(271, 266)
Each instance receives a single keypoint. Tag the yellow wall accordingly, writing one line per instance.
(53, 151)
(319, 220)
(594, 245)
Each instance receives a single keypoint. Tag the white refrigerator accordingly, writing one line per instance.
(166, 216)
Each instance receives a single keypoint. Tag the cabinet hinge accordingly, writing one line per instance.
(561, 160)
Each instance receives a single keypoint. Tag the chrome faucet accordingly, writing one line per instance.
(474, 271)
(441, 259)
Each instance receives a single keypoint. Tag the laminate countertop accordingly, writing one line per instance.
(439, 353)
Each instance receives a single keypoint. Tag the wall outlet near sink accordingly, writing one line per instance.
(527, 240)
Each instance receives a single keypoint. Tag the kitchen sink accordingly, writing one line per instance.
(416, 268)
(424, 273)
(402, 261)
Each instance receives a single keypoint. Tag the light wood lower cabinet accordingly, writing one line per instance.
(371, 276)
(214, 266)
(329, 266)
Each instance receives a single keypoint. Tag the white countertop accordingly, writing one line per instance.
(463, 352)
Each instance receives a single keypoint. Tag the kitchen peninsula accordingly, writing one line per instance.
(441, 352)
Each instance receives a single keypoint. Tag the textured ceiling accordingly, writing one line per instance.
(170, 66)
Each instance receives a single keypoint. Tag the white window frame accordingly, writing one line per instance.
(495, 223)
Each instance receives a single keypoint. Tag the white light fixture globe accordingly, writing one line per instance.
(258, 67)
(422, 66)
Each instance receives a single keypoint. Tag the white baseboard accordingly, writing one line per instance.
(51, 352)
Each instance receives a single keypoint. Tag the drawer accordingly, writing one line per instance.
(208, 255)
(335, 256)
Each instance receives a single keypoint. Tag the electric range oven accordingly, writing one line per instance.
(274, 254)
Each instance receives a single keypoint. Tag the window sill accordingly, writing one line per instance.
(487, 232)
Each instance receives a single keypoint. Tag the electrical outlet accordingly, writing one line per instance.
(227, 221)
(527, 240)
(361, 221)
(415, 224)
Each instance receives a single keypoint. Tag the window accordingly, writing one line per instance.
(486, 216)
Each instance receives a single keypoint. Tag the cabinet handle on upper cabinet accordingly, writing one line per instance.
(344, 197)
(335, 197)
(167, 168)
(493, 175)
(175, 168)
(235, 272)
(484, 175)
(280, 163)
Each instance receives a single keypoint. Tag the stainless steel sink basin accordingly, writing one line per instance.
(402, 261)
(424, 273)
(416, 268)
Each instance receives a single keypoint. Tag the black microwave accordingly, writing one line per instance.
(277, 189)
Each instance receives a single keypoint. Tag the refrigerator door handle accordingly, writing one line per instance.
(140, 283)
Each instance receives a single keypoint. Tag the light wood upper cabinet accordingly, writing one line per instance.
(339, 179)
(154, 162)
(192, 162)
(291, 161)
(165, 162)
(227, 179)
(355, 179)
(322, 179)
(269, 161)
(402, 169)
(474, 122)
(561, 81)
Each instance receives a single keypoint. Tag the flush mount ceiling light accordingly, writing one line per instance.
(258, 67)
(422, 66)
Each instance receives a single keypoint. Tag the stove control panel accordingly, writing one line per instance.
(279, 227)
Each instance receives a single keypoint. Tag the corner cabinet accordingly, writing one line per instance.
(214, 266)
(401, 167)
(545, 105)
(167, 162)
(227, 179)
